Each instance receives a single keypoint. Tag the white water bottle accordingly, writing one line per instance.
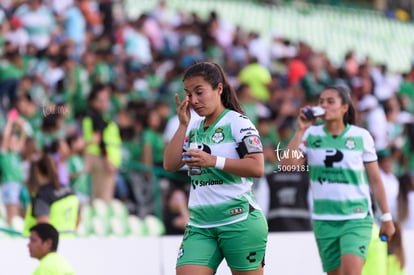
(194, 170)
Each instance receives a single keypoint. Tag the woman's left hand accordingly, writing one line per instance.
(387, 229)
(199, 158)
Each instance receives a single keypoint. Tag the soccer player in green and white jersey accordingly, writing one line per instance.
(225, 221)
(342, 169)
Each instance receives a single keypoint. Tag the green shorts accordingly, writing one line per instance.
(336, 238)
(242, 244)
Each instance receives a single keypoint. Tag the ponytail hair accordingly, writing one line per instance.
(213, 73)
(345, 95)
(45, 167)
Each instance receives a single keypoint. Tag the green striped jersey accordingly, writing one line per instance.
(217, 197)
(39, 24)
(337, 174)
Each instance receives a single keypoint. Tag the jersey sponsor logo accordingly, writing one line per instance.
(350, 143)
(317, 143)
(247, 129)
(243, 116)
(218, 135)
(253, 144)
(330, 176)
(251, 257)
(332, 156)
(362, 249)
(202, 183)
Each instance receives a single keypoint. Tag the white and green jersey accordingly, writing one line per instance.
(217, 197)
(337, 174)
(39, 24)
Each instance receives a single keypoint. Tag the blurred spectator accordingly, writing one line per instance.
(391, 183)
(406, 202)
(12, 144)
(374, 119)
(103, 151)
(175, 212)
(30, 113)
(316, 79)
(79, 179)
(90, 11)
(39, 22)
(257, 77)
(17, 35)
(406, 93)
(60, 152)
(50, 201)
(11, 70)
(75, 27)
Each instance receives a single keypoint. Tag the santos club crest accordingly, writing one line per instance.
(218, 135)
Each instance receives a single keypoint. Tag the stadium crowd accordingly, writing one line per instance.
(62, 59)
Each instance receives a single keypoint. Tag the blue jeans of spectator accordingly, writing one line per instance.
(121, 187)
(8, 88)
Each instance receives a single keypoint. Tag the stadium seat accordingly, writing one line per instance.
(17, 223)
(155, 227)
(136, 226)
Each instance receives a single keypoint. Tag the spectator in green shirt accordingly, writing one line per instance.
(11, 70)
(11, 165)
(43, 244)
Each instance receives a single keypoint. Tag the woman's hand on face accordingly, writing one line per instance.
(303, 122)
(183, 110)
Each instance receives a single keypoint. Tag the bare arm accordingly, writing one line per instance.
(377, 186)
(6, 135)
(22, 139)
(173, 150)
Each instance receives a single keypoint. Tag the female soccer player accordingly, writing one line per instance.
(340, 156)
(223, 151)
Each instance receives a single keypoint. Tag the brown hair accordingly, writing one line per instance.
(214, 74)
(46, 167)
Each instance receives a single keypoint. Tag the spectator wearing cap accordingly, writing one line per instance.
(17, 35)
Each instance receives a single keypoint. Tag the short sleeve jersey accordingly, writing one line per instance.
(337, 174)
(217, 197)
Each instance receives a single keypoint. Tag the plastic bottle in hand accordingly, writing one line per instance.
(194, 170)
